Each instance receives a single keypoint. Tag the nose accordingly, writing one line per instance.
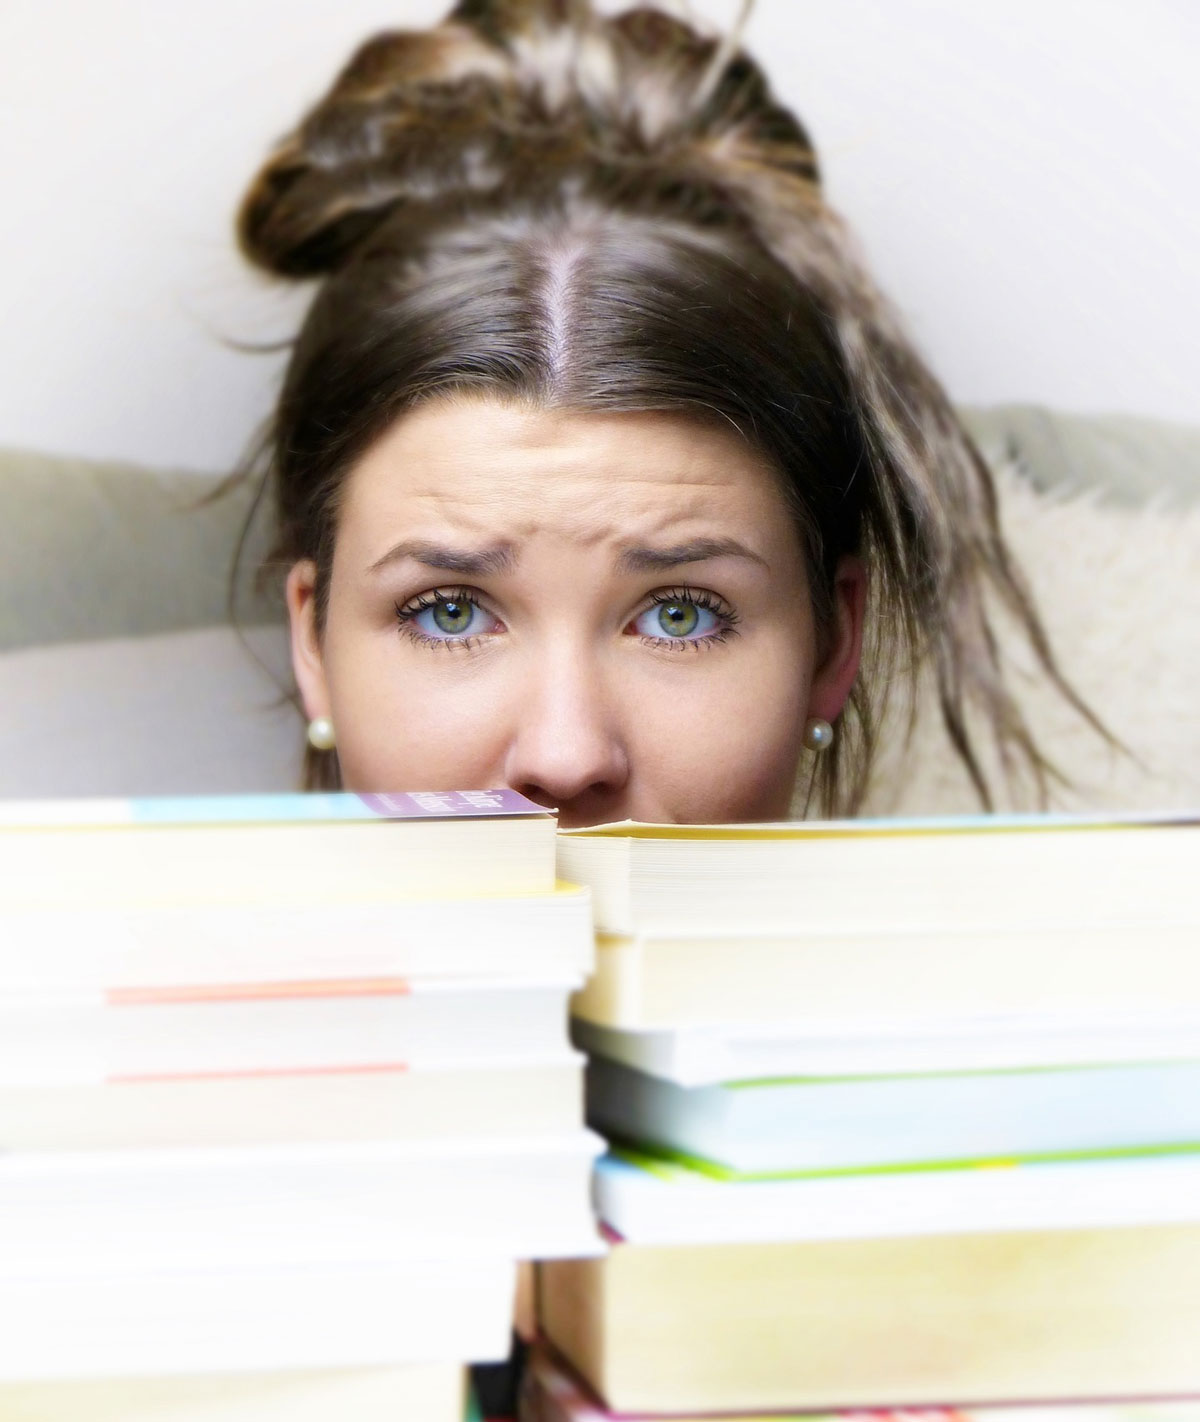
(568, 748)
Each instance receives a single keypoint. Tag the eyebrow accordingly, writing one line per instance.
(472, 563)
(699, 550)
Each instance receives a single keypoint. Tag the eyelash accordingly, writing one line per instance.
(407, 613)
(698, 598)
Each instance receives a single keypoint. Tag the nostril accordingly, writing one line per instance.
(538, 795)
(567, 751)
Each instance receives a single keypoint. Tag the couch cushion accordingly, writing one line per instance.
(1119, 592)
(1126, 459)
(109, 550)
(182, 713)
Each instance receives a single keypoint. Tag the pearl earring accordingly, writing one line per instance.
(320, 733)
(818, 734)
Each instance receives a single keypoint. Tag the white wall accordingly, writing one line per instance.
(1023, 173)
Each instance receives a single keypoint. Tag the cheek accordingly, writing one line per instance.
(726, 746)
(413, 721)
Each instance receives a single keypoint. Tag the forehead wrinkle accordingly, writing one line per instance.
(581, 490)
(518, 486)
(597, 526)
(581, 516)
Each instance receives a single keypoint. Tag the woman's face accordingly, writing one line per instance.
(609, 613)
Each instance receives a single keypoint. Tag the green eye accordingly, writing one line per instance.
(678, 619)
(683, 621)
(452, 616)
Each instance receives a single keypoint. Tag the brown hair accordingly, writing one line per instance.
(536, 202)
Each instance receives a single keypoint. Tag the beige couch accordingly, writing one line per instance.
(121, 674)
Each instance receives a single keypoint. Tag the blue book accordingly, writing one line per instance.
(758, 1130)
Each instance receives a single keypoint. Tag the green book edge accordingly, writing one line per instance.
(668, 1164)
(759, 1083)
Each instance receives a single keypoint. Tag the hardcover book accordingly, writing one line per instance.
(553, 1393)
(813, 1126)
(934, 876)
(292, 849)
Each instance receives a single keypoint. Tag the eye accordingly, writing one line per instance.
(446, 615)
(681, 617)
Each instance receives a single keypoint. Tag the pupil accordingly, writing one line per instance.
(452, 616)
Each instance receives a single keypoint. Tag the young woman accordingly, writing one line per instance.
(601, 469)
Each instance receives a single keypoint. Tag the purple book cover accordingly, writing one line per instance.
(311, 808)
(450, 804)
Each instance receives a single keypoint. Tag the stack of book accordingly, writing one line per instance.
(285, 1091)
(901, 1113)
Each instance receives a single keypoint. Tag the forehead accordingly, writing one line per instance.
(484, 468)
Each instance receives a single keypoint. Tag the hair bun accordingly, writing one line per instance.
(395, 124)
(500, 98)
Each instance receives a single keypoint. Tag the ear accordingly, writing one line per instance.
(308, 665)
(834, 677)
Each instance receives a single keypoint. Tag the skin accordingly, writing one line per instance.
(567, 686)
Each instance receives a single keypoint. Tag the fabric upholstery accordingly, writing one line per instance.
(91, 550)
(1119, 591)
(185, 712)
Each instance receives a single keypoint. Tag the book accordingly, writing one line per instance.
(294, 1205)
(116, 1324)
(760, 1129)
(93, 1037)
(298, 850)
(652, 1201)
(886, 1321)
(547, 934)
(430, 1392)
(991, 873)
(905, 982)
(481, 1098)
(552, 1393)
(740, 1051)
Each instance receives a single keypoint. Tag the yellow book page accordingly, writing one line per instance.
(868, 828)
(431, 1392)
